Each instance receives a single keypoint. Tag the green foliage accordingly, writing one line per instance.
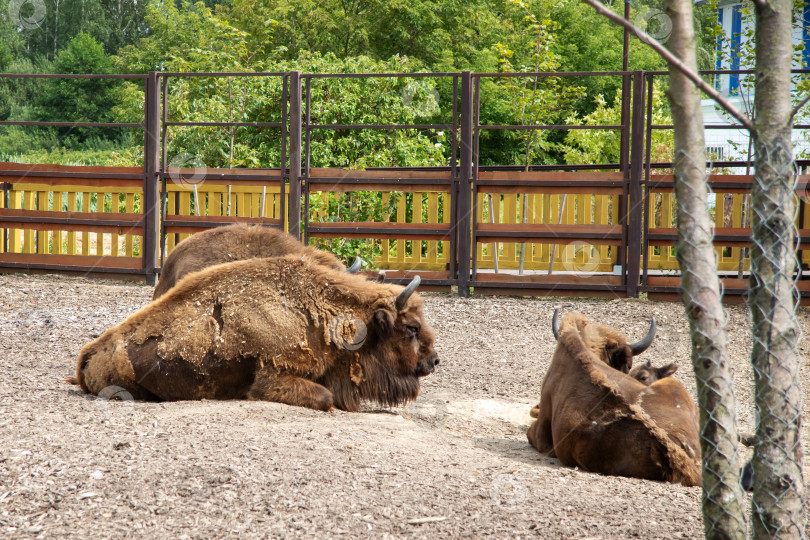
(190, 37)
(603, 146)
(447, 35)
(533, 100)
(79, 100)
(589, 42)
(59, 156)
(352, 207)
(111, 22)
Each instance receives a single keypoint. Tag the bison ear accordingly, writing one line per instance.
(384, 321)
(667, 370)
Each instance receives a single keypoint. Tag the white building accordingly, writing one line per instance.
(735, 52)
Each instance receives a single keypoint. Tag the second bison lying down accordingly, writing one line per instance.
(237, 242)
(283, 329)
(593, 415)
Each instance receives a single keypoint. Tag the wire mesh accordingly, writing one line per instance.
(778, 504)
(701, 291)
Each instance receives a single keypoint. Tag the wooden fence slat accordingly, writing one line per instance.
(28, 236)
(57, 235)
(401, 218)
(482, 252)
(42, 237)
(386, 244)
(185, 208)
(433, 217)
(85, 235)
(115, 201)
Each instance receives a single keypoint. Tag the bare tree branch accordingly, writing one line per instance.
(674, 62)
(798, 107)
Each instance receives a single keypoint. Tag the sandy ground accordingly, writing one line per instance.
(455, 463)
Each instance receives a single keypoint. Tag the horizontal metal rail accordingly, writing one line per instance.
(70, 76)
(542, 126)
(70, 174)
(377, 126)
(376, 75)
(70, 124)
(222, 74)
(225, 124)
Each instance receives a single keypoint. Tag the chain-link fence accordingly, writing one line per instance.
(701, 290)
(779, 497)
(778, 504)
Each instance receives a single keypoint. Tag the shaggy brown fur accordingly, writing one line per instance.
(647, 374)
(280, 329)
(595, 417)
(231, 243)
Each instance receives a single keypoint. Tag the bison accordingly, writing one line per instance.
(284, 329)
(235, 242)
(594, 416)
(647, 374)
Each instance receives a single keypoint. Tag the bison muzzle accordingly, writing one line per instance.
(283, 329)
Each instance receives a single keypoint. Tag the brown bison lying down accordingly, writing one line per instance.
(598, 418)
(231, 243)
(280, 329)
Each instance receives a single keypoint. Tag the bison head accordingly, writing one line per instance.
(608, 344)
(398, 350)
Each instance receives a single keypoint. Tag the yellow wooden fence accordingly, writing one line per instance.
(51, 197)
(577, 209)
(244, 200)
(218, 200)
(73, 198)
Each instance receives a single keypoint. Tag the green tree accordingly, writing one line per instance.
(47, 27)
(79, 100)
(603, 146)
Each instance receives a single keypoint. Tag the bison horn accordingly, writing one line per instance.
(381, 277)
(406, 293)
(355, 267)
(555, 323)
(641, 346)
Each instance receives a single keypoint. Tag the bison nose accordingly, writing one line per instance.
(427, 365)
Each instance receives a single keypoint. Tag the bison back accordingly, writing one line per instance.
(231, 243)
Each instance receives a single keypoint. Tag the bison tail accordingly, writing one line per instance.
(72, 380)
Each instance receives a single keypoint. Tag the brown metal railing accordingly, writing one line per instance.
(588, 229)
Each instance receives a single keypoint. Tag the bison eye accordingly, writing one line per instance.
(412, 330)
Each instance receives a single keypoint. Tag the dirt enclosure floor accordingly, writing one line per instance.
(455, 463)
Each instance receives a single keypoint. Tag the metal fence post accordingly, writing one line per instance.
(464, 202)
(294, 214)
(635, 199)
(624, 158)
(151, 157)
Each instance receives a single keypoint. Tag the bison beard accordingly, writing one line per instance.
(594, 416)
(266, 329)
(232, 243)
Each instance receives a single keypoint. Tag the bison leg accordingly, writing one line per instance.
(539, 433)
(290, 389)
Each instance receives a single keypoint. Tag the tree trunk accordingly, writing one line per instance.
(778, 510)
(700, 289)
